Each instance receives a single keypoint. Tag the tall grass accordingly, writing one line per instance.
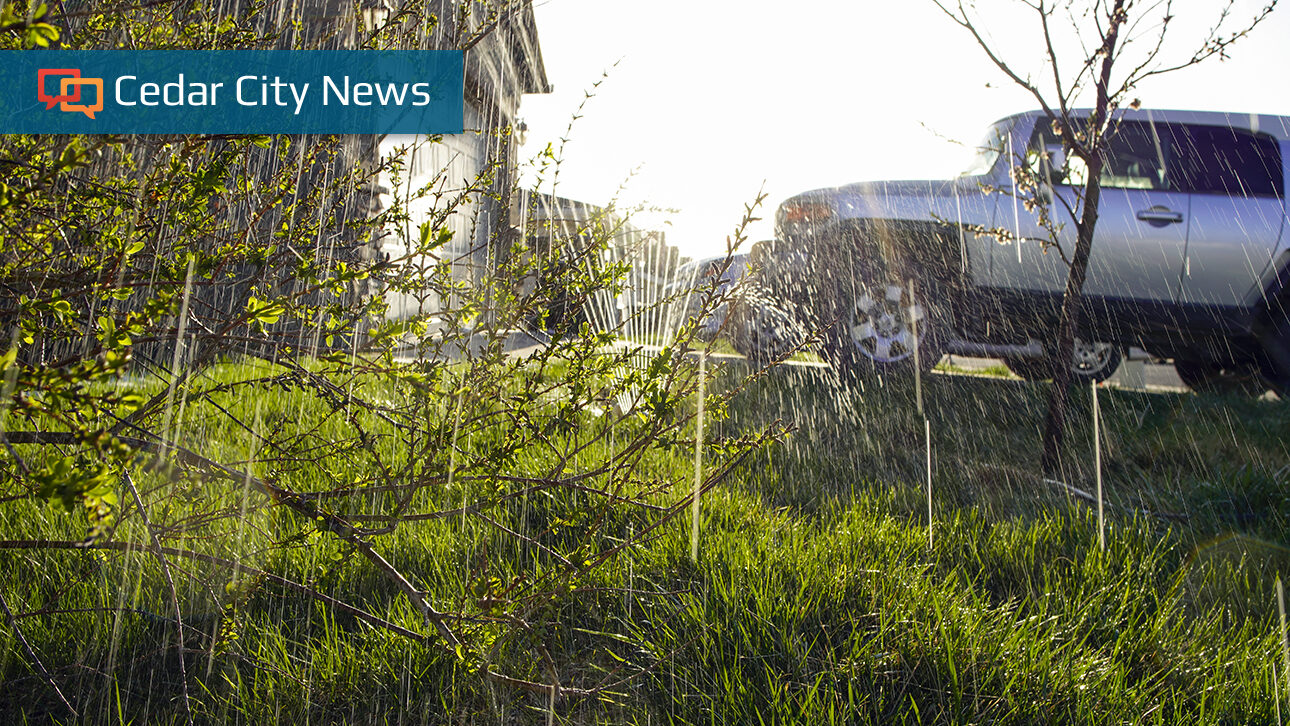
(815, 597)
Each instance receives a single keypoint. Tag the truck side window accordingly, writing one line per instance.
(1045, 154)
(1226, 161)
(1136, 157)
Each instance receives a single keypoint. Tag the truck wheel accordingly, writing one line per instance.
(1275, 339)
(1203, 376)
(876, 334)
(763, 332)
(1094, 362)
(1090, 362)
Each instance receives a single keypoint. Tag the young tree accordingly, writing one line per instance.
(1121, 44)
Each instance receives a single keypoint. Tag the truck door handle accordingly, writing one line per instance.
(1159, 216)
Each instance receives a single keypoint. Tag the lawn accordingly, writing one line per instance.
(816, 597)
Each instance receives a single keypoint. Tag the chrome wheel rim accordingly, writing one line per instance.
(1091, 357)
(882, 323)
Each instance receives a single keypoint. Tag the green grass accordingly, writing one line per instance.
(816, 598)
(853, 620)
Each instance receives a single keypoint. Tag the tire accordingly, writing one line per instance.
(1208, 377)
(1275, 339)
(763, 332)
(1090, 363)
(875, 331)
(1094, 362)
(762, 345)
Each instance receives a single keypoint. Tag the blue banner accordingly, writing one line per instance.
(231, 92)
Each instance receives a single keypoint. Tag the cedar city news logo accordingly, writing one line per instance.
(68, 97)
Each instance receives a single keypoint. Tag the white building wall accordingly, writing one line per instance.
(499, 69)
(450, 167)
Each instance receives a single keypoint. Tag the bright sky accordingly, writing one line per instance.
(709, 98)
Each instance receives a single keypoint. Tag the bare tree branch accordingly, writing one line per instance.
(966, 23)
(340, 605)
(35, 659)
(170, 585)
(326, 520)
(1214, 45)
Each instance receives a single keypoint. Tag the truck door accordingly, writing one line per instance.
(1141, 233)
(1237, 189)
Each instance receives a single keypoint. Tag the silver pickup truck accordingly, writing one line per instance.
(1190, 260)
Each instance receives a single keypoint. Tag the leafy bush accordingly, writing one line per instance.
(200, 375)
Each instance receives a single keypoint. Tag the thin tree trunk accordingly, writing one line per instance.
(1055, 421)
(1072, 300)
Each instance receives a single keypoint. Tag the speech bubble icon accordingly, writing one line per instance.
(89, 109)
(51, 101)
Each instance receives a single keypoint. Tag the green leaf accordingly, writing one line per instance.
(262, 311)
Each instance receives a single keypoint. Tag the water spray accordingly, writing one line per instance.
(180, 326)
(1285, 638)
(927, 429)
(1097, 466)
(918, 343)
(1276, 692)
(698, 462)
